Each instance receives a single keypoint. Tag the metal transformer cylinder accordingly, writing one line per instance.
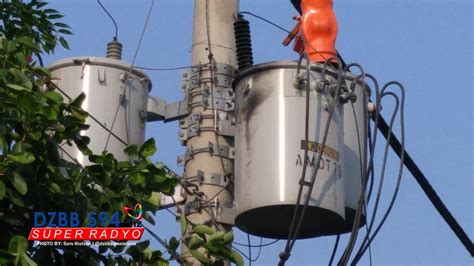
(354, 148)
(270, 146)
(116, 98)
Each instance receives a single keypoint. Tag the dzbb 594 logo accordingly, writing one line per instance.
(95, 226)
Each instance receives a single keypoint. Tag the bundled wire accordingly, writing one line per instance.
(362, 200)
(295, 226)
(399, 106)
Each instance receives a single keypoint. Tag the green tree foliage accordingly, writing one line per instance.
(34, 122)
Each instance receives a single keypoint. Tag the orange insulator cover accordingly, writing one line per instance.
(318, 29)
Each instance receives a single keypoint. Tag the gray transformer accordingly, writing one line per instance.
(115, 98)
(270, 144)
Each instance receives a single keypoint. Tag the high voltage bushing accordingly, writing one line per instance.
(114, 50)
(243, 43)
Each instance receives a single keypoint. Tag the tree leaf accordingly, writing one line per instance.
(61, 25)
(26, 101)
(173, 243)
(21, 58)
(64, 43)
(77, 102)
(228, 238)
(148, 148)
(182, 219)
(148, 218)
(199, 256)
(27, 261)
(19, 183)
(54, 96)
(137, 178)
(22, 158)
(237, 259)
(42, 71)
(11, 46)
(195, 242)
(3, 189)
(203, 229)
(18, 245)
(131, 150)
(67, 32)
(53, 187)
(55, 16)
(216, 237)
(50, 11)
(154, 199)
(16, 87)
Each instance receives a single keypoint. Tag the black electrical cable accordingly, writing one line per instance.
(259, 250)
(250, 249)
(334, 250)
(426, 186)
(305, 162)
(382, 175)
(111, 18)
(361, 204)
(399, 106)
(358, 215)
(173, 253)
(362, 173)
(258, 246)
(370, 169)
(266, 20)
(362, 166)
(292, 240)
(168, 69)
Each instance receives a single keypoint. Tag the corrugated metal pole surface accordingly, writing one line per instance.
(208, 131)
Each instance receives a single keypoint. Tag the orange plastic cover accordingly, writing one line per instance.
(316, 31)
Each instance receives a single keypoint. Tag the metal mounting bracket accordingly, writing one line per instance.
(210, 179)
(211, 148)
(159, 110)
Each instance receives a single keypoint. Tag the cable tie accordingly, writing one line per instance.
(302, 182)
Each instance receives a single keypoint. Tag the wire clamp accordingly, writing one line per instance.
(219, 104)
(193, 206)
(211, 148)
(225, 212)
(302, 182)
(213, 179)
(191, 131)
(192, 119)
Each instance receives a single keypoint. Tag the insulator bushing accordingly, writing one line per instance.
(243, 43)
(114, 50)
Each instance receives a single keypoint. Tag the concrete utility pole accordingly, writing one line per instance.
(208, 130)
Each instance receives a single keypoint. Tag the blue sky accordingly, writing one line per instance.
(426, 45)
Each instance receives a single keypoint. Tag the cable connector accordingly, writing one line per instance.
(284, 256)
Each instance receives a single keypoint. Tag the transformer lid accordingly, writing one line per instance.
(99, 61)
(292, 64)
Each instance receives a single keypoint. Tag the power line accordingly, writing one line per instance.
(333, 254)
(266, 20)
(257, 246)
(292, 235)
(142, 35)
(90, 115)
(111, 18)
(426, 186)
(399, 106)
(169, 68)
